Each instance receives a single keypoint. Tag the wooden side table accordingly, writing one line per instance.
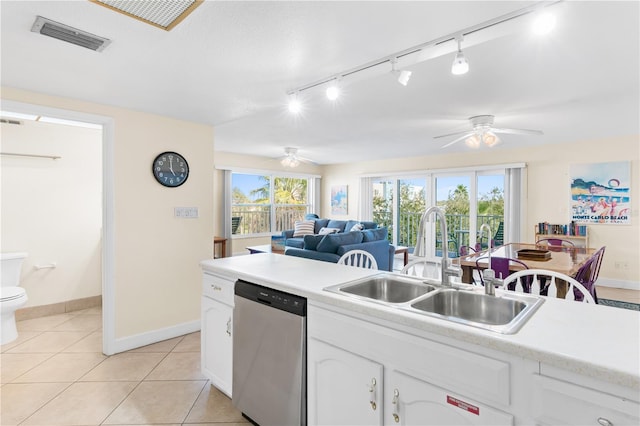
(222, 242)
(404, 250)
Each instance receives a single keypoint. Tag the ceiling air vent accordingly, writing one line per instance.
(69, 34)
(10, 121)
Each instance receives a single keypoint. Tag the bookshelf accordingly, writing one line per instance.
(577, 234)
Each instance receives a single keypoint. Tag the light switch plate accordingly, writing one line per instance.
(186, 212)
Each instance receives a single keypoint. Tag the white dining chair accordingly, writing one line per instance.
(424, 267)
(530, 279)
(358, 258)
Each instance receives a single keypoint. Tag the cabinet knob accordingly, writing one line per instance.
(604, 422)
(372, 396)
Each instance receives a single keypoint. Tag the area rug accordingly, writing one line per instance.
(619, 304)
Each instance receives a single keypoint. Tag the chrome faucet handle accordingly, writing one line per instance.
(490, 280)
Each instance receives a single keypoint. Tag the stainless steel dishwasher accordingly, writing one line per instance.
(269, 355)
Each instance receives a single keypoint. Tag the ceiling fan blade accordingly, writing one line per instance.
(518, 131)
(452, 134)
(466, 135)
(307, 160)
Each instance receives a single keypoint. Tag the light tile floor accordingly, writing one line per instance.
(55, 374)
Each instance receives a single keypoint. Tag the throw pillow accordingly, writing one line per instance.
(357, 227)
(303, 227)
(337, 224)
(331, 242)
(326, 231)
(374, 234)
(311, 241)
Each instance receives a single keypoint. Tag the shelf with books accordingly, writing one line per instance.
(577, 234)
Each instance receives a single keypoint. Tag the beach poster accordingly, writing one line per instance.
(339, 199)
(600, 193)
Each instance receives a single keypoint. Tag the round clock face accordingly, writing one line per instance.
(170, 169)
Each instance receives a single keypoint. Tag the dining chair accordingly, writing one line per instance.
(589, 272)
(358, 258)
(555, 242)
(425, 267)
(235, 223)
(466, 250)
(497, 239)
(500, 265)
(528, 281)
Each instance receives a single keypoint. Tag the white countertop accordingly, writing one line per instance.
(592, 340)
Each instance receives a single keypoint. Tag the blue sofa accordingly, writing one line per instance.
(341, 225)
(329, 248)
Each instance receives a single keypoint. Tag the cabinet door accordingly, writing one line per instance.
(343, 388)
(217, 346)
(556, 402)
(409, 401)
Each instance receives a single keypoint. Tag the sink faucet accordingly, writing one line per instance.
(420, 250)
(488, 275)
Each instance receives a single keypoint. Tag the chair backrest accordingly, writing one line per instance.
(498, 237)
(466, 250)
(424, 267)
(528, 281)
(235, 222)
(589, 271)
(501, 266)
(358, 258)
(556, 242)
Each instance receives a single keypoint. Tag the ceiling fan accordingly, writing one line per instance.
(483, 131)
(291, 158)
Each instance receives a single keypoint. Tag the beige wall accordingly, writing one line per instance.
(157, 277)
(52, 209)
(548, 190)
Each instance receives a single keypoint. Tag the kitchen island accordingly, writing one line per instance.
(571, 363)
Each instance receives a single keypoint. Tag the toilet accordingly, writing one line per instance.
(12, 296)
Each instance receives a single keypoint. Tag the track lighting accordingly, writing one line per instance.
(295, 106)
(403, 76)
(460, 64)
(333, 91)
(544, 23)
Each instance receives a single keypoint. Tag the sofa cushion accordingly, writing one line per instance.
(331, 242)
(325, 231)
(294, 242)
(375, 234)
(337, 224)
(349, 226)
(320, 223)
(369, 225)
(303, 227)
(311, 241)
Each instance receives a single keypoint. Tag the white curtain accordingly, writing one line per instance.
(227, 209)
(514, 204)
(366, 199)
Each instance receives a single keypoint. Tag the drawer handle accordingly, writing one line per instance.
(372, 391)
(215, 287)
(395, 402)
(604, 422)
(229, 327)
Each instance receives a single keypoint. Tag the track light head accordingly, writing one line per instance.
(333, 92)
(404, 77)
(295, 106)
(544, 23)
(460, 64)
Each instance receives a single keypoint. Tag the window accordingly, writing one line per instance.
(268, 204)
(469, 198)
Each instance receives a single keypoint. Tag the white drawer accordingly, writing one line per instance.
(556, 402)
(218, 288)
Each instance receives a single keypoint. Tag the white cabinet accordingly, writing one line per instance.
(342, 388)
(361, 373)
(414, 402)
(216, 331)
(558, 402)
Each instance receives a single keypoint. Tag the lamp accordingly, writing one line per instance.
(290, 161)
(544, 23)
(487, 137)
(333, 91)
(403, 76)
(460, 64)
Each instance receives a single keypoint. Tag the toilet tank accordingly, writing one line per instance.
(10, 268)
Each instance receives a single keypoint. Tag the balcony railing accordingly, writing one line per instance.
(457, 227)
(257, 219)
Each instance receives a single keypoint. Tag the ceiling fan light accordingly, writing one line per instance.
(473, 141)
(490, 139)
(290, 161)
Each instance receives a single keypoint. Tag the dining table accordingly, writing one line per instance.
(566, 260)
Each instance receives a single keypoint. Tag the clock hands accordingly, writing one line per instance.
(171, 165)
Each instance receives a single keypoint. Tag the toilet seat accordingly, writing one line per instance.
(11, 293)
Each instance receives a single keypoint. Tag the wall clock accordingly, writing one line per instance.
(170, 169)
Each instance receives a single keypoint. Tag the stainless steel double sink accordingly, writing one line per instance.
(504, 313)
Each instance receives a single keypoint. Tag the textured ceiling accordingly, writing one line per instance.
(230, 64)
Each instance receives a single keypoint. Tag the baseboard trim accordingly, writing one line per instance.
(143, 339)
(32, 312)
(609, 282)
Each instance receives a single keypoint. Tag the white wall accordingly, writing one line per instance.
(157, 277)
(548, 190)
(52, 209)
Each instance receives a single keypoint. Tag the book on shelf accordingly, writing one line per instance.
(571, 229)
